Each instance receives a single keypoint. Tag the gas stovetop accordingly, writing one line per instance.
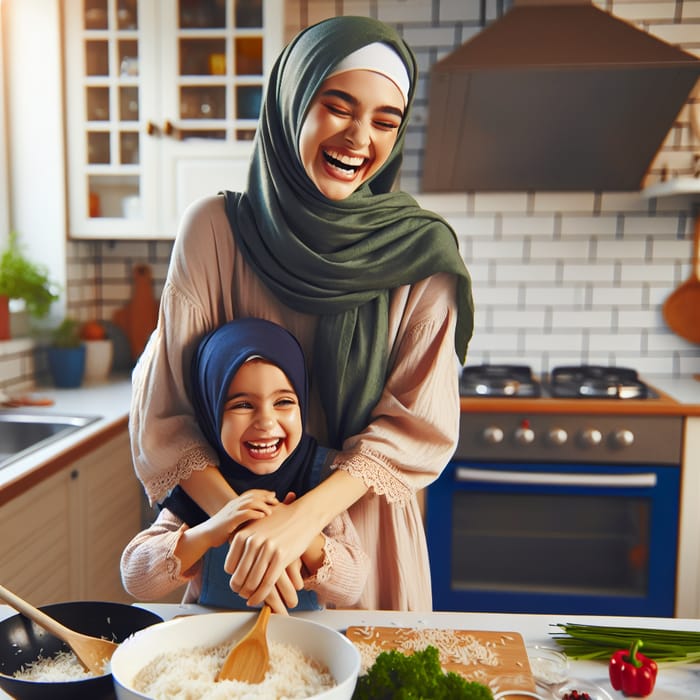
(571, 382)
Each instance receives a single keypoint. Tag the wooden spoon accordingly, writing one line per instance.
(92, 652)
(682, 308)
(249, 659)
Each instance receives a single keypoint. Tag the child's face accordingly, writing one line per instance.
(261, 424)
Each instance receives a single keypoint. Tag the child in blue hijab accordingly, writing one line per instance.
(250, 393)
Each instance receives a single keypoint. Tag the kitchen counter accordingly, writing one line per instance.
(108, 401)
(673, 683)
(677, 397)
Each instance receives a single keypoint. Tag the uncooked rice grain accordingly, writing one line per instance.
(62, 667)
(189, 674)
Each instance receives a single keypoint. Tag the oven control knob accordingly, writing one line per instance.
(591, 437)
(524, 436)
(493, 435)
(622, 438)
(557, 436)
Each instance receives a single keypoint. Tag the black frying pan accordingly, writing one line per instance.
(21, 642)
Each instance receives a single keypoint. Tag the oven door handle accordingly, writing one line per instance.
(643, 480)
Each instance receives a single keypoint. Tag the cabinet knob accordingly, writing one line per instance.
(591, 437)
(524, 436)
(493, 435)
(623, 438)
(557, 436)
(169, 129)
(152, 129)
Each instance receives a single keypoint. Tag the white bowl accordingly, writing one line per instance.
(316, 641)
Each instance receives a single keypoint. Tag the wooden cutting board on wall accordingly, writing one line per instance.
(139, 317)
(495, 659)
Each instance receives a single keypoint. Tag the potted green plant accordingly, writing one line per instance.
(20, 278)
(66, 354)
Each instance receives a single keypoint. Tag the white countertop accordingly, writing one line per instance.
(108, 401)
(685, 390)
(673, 683)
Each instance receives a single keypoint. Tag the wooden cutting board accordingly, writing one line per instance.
(139, 317)
(496, 659)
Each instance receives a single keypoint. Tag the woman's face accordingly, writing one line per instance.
(261, 423)
(349, 131)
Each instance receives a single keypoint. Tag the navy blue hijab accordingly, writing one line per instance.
(219, 356)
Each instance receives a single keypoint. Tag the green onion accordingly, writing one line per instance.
(600, 642)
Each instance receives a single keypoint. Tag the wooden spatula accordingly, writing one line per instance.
(249, 659)
(92, 652)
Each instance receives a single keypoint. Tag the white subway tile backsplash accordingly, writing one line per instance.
(492, 296)
(459, 11)
(602, 295)
(536, 319)
(562, 297)
(400, 11)
(593, 320)
(621, 250)
(497, 202)
(521, 272)
(565, 249)
(564, 202)
(537, 225)
(604, 225)
(614, 342)
(601, 272)
(637, 318)
(645, 11)
(660, 272)
(553, 342)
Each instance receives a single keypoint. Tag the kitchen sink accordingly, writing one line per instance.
(23, 431)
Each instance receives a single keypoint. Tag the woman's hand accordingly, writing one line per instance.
(261, 552)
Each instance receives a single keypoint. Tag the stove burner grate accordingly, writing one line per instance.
(498, 380)
(597, 382)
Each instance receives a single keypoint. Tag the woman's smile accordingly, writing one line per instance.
(350, 130)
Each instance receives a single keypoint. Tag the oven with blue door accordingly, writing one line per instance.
(555, 510)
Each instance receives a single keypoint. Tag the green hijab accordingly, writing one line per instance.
(338, 259)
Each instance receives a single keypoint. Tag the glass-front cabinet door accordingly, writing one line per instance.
(163, 98)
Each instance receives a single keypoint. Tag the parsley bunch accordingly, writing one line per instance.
(419, 676)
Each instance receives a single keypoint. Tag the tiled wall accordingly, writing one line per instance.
(558, 278)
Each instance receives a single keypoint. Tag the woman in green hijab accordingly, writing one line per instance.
(371, 284)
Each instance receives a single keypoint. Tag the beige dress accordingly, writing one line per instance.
(412, 433)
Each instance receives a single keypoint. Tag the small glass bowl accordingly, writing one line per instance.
(549, 666)
(595, 692)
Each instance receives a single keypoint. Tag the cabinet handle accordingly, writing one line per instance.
(152, 129)
(634, 480)
(169, 129)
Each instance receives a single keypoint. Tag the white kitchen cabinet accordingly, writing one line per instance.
(62, 539)
(162, 101)
(688, 586)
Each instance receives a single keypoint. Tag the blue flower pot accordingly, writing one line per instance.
(67, 366)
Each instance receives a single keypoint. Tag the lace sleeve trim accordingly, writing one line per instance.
(377, 473)
(194, 458)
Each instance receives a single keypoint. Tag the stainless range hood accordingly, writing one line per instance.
(553, 96)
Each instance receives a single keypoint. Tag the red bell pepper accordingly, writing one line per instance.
(631, 672)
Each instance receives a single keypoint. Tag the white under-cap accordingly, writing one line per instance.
(379, 58)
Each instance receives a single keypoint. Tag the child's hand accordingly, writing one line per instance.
(251, 505)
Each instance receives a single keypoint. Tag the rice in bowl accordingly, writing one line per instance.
(191, 674)
(307, 660)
